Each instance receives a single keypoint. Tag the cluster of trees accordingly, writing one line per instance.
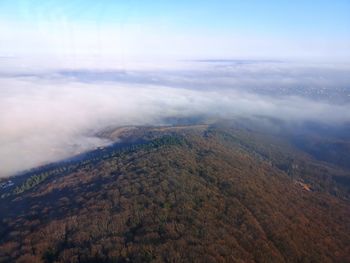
(38, 175)
(298, 165)
(190, 197)
(32, 181)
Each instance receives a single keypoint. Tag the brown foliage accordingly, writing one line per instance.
(209, 200)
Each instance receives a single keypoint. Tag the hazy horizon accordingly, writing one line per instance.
(53, 114)
(71, 68)
(133, 30)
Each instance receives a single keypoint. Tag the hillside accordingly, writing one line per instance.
(202, 193)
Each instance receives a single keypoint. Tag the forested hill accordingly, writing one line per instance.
(205, 193)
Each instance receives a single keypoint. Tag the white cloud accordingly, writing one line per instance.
(47, 117)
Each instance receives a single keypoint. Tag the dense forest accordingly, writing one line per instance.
(205, 193)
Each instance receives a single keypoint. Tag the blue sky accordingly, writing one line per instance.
(177, 29)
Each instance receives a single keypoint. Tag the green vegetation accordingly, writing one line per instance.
(31, 182)
(95, 156)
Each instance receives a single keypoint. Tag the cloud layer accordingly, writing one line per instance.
(52, 115)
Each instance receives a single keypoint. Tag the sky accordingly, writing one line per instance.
(181, 29)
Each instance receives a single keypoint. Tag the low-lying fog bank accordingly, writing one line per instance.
(55, 114)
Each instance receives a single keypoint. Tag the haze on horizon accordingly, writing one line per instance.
(120, 31)
(69, 69)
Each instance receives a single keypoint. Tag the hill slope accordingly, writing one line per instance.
(181, 194)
